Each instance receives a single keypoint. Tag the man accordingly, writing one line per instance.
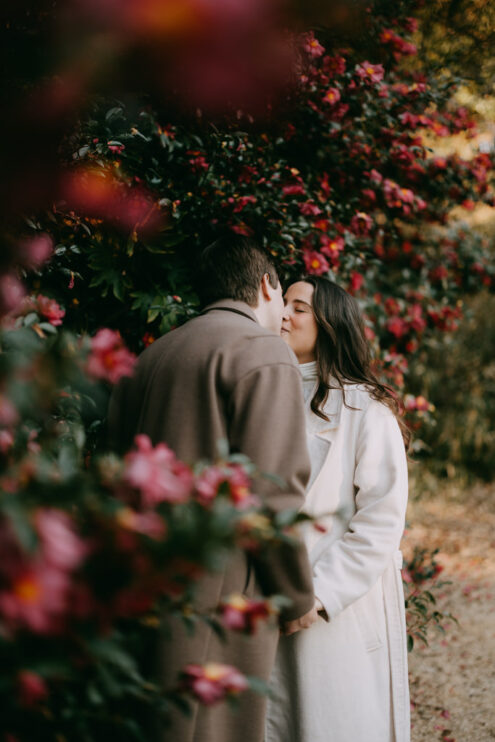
(227, 375)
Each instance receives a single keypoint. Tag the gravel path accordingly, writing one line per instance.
(453, 680)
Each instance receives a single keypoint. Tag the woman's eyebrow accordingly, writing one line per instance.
(301, 301)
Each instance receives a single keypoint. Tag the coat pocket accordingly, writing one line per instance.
(370, 619)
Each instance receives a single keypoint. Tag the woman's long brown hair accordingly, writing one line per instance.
(343, 354)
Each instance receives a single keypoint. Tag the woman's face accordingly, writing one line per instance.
(299, 327)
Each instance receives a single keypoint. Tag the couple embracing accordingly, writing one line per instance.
(286, 379)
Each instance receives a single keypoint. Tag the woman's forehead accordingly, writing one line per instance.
(300, 290)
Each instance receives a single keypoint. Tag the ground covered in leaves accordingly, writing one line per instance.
(453, 679)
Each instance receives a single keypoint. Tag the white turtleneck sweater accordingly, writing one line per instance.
(318, 448)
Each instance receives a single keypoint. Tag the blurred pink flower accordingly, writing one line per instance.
(370, 72)
(361, 223)
(36, 599)
(35, 251)
(238, 613)
(149, 523)
(213, 681)
(210, 481)
(309, 209)
(109, 358)
(312, 46)
(157, 474)
(8, 412)
(61, 546)
(397, 327)
(50, 310)
(11, 293)
(31, 688)
(6, 441)
(332, 96)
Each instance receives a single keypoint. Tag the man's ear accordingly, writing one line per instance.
(265, 287)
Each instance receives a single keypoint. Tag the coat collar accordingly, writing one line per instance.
(231, 305)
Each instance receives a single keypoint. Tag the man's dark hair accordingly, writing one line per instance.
(232, 267)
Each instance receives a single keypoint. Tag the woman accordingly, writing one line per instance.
(345, 678)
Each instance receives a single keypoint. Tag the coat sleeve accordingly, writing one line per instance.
(350, 566)
(266, 423)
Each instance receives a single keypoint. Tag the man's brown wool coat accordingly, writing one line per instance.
(221, 376)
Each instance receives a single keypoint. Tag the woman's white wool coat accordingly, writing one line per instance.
(345, 679)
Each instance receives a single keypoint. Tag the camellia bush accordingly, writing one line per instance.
(334, 180)
(97, 555)
(339, 182)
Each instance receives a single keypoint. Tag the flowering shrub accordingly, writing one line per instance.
(91, 554)
(340, 183)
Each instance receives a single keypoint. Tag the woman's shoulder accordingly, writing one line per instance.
(359, 398)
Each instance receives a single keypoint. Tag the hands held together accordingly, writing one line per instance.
(304, 622)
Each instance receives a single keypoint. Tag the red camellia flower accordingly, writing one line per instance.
(357, 280)
(213, 682)
(241, 614)
(109, 358)
(332, 246)
(397, 327)
(315, 262)
(370, 72)
(156, 473)
(31, 688)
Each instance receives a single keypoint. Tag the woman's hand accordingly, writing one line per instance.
(304, 622)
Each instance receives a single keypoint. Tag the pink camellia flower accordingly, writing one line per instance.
(370, 72)
(109, 358)
(156, 473)
(332, 96)
(148, 523)
(376, 177)
(12, 293)
(309, 209)
(6, 441)
(361, 223)
(315, 262)
(35, 251)
(36, 599)
(8, 413)
(312, 46)
(242, 202)
(50, 310)
(61, 546)
(31, 688)
(238, 613)
(213, 682)
(296, 189)
(230, 479)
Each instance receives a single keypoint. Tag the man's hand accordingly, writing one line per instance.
(304, 622)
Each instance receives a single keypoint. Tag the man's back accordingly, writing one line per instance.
(221, 376)
(224, 377)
